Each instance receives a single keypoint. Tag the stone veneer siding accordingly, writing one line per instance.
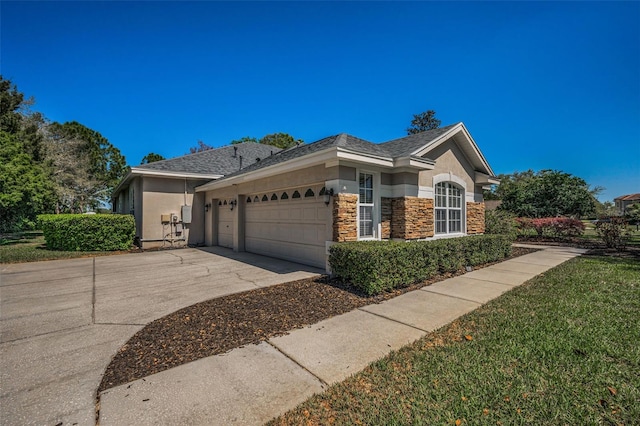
(411, 218)
(345, 214)
(475, 218)
(385, 222)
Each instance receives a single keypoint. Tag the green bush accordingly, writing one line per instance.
(378, 266)
(87, 232)
(499, 222)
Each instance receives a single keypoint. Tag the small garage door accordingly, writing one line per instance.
(288, 225)
(225, 225)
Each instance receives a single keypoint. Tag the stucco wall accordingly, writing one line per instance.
(449, 159)
(166, 196)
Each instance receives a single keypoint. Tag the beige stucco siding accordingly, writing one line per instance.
(167, 196)
(294, 179)
(449, 159)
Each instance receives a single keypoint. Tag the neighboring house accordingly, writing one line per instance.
(625, 201)
(160, 195)
(298, 202)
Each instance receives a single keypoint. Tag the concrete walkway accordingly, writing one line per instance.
(252, 384)
(62, 321)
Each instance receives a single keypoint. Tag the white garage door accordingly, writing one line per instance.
(291, 227)
(225, 225)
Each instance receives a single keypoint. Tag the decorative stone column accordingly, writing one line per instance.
(412, 218)
(345, 214)
(475, 218)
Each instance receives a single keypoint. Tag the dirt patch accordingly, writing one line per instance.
(218, 325)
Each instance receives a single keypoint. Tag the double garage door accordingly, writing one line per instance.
(285, 226)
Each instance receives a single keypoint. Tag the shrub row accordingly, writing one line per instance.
(87, 232)
(550, 226)
(378, 266)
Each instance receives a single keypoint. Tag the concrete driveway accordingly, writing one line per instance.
(61, 322)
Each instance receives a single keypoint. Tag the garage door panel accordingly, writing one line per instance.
(225, 227)
(289, 229)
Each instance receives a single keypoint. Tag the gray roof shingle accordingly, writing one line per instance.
(218, 161)
(403, 147)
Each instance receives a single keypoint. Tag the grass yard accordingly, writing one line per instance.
(30, 247)
(561, 349)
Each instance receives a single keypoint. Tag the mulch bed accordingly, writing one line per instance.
(218, 325)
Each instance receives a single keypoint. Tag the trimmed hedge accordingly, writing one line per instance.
(378, 266)
(87, 232)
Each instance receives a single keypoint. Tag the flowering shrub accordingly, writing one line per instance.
(613, 231)
(551, 226)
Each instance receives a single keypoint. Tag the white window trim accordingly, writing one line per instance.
(463, 209)
(376, 205)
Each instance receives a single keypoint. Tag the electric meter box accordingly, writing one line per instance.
(186, 214)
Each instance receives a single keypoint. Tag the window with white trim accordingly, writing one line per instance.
(366, 205)
(448, 208)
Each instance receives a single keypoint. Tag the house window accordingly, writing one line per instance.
(365, 218)
(448, 208)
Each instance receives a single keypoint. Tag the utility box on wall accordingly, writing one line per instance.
(186, 214)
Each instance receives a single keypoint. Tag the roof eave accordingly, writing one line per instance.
(328, 156)
(414, 163)
(136, 171)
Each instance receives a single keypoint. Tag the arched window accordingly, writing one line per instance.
(448, 208)
(296, 194)
(256, 199)
(309, 193)
(274, 197)
(265, 198)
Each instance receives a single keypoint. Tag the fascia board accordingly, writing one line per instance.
(170, 174)
(122, 183)
(460, 127)
(477, 151)
(345, 154)
(484, 179)
(418, 163)
(434, 143)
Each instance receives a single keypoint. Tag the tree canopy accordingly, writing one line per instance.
(280, 140)
(547, 193)
(151, 157)
(200, 147)
(422, 122)
(244, 139)
(49, 167)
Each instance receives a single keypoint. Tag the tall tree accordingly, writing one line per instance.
(26, 189)
(85, 155)
(422, 122)
(547, 193)
(151, 157)
(200, 147)
(280, 140)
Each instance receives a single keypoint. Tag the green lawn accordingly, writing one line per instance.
(30, 247)
(561, 349)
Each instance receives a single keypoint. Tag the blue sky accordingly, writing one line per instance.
(541, 85)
